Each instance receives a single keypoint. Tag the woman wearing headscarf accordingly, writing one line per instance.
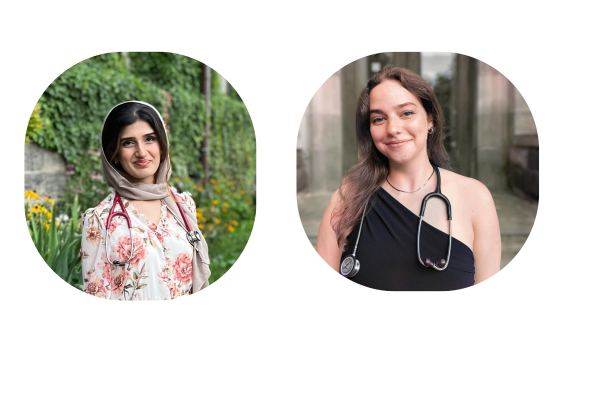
(142, 242)
(378, 215)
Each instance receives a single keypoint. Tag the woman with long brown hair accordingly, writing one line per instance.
(374, 217)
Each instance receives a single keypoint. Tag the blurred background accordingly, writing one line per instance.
(212, 146)
(490, 135)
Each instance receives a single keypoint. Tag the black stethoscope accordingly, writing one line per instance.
(191, 235)
(350, 265)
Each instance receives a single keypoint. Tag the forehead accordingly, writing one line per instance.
(138, 128)
(389, 94)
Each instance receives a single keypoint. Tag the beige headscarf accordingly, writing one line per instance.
(159, 191)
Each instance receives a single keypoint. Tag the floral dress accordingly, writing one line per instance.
(161, 266)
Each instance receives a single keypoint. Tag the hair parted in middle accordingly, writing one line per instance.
(126, 114)
(363, 179)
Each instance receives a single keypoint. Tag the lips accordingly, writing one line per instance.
(395, 143)
(142, 163)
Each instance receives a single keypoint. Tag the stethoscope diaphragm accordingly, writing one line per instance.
(350, 266)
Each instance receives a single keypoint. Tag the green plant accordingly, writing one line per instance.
(57, 240)
(225, 251)
(35, 126)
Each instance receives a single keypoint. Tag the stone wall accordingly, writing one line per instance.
(45, 171)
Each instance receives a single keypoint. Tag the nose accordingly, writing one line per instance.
(141, 150)
(394, 125)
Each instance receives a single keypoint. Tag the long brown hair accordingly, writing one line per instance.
(363, 179)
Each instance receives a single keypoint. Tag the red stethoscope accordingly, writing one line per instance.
(191, 235)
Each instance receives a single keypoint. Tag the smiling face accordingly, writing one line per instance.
(398, 122)
(139, 152)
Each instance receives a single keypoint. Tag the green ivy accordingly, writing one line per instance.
(74, 106)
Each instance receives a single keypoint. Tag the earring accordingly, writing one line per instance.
(430, 131)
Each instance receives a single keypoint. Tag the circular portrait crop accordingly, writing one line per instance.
(140, 176)
(417, 171)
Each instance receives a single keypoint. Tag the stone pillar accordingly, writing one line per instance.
(461, 137)
(493, 126)
(354, 78)
(45, 172)
(407, 60)
(320, 140)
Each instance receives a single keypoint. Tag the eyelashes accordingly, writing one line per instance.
(379, 120)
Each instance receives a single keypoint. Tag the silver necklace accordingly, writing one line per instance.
(404, 191)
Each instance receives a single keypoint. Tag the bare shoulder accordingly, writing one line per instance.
(468, 191)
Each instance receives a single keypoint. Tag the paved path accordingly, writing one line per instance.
(516, 216)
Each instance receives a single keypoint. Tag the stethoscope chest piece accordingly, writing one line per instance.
(350, 266)
(193, 237)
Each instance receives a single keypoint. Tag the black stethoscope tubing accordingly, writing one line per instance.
(350, 265)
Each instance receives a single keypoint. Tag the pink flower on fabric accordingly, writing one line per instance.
(113, 225)
(106, 267)
(119, 281)
(100, 206)
(182, 267)
(96, 288)
(163, 275)
(93, 235)
(174, 290)
(124, 250)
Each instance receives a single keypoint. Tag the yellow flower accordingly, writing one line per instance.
(217, 221)
(234, 222)
(48, 199)
(200, 189)
(202, 219)
(218, 190)
(201, 226)
(224, 209)
(30, 194)
(209, 227)
(226, 204)
(204, 234)
(29, 215)
(215, 202)
(241, 193)
(49, 215)
(178, 179)
(230, 228)
(47, 225)
(214, 181)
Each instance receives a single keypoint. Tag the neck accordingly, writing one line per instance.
(412, 174)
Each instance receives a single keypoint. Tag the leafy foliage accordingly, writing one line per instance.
(71, 112)
(57, 239)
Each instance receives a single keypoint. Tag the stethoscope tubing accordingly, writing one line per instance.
(443, 264)
(191, 235)
(123, 214)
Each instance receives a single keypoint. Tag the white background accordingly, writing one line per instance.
(281, 324)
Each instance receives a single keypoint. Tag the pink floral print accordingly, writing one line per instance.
(182, 267)
(93, 235)
(119, 281)
(96, 288)
(161, 266)
(124, 250)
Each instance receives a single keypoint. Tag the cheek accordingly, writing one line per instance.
(124, 154)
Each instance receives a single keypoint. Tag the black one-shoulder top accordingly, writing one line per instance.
(387, 251)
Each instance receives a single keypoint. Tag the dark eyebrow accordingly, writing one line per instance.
(130, 138)
(376, 111)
